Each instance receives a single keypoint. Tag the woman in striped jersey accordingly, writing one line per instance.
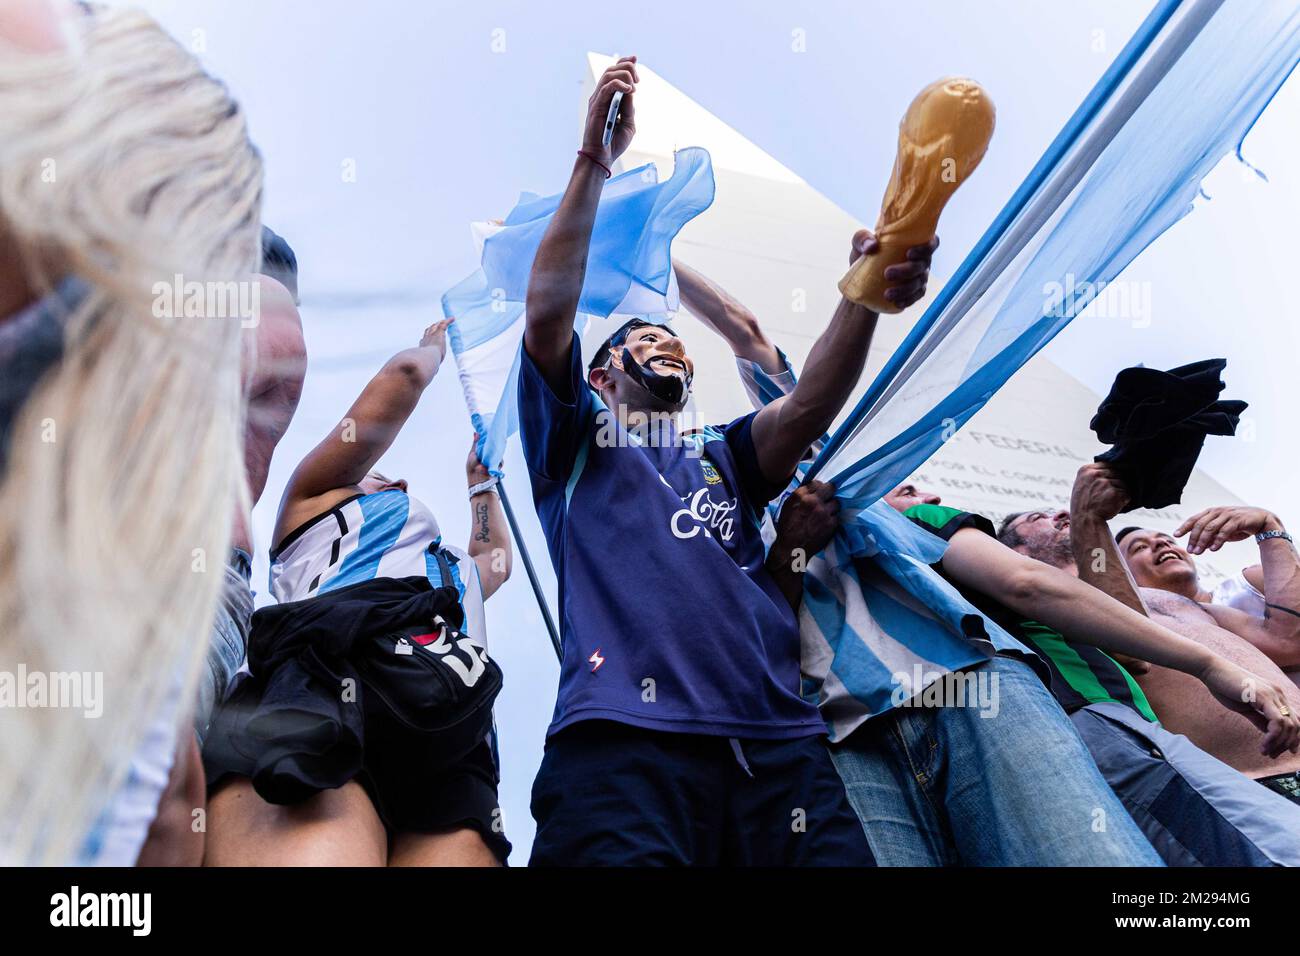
(341, 524)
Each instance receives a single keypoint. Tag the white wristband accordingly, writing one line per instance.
(483, 486)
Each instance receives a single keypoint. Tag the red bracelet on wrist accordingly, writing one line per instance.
(608, 172)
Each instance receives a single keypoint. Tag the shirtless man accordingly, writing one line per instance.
(1182, 706)
(1276, 629)
(1167, 578)
(1151, 573)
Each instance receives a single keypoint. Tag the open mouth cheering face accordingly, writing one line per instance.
(1155, 558)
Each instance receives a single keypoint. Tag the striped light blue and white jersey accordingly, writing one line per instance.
(866, 643)
(385, 535)
(763, 388)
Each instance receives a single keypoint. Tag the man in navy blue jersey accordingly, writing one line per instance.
(679, 734)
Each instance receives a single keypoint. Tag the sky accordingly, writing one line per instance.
(387, 127)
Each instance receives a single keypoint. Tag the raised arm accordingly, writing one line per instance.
(1098, 495)
(371, 424)
(560, 266)
(489, 539)
(1278, 633)
(1082, 613)
(783, 430)
(728, 317)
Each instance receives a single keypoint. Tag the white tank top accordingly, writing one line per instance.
(385, 535)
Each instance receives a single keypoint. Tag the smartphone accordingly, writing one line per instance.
(612, 118)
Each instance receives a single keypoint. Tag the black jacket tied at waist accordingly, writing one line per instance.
(373, 678)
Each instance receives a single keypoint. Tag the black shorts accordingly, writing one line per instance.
(462, 795)
(407, 800)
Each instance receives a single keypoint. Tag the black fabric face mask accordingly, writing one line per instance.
(666, 388)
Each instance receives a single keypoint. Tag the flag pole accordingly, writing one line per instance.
(532, 572)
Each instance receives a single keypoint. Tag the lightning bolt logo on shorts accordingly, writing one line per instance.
(595, 660)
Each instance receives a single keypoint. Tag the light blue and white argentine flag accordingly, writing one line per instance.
(1180, 96)
(629, 272)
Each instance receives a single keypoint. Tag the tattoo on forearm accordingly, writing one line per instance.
(1278, 607)
(481, 514)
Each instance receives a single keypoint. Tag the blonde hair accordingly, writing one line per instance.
(124, 164)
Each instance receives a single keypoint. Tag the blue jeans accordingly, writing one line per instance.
(936, 786)
(1196, 810)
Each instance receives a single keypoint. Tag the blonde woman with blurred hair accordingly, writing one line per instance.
(122, 166)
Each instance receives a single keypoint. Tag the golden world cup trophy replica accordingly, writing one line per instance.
(941, 140)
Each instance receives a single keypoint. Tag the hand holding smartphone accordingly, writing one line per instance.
(612, 118)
